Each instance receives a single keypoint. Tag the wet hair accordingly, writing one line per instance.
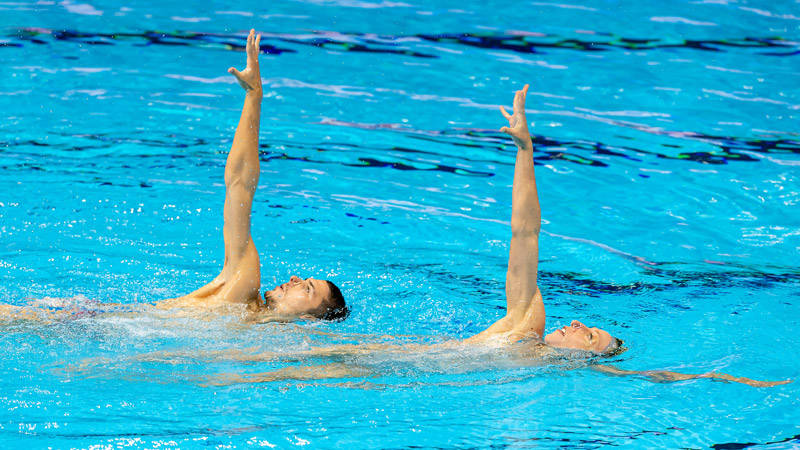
(337, 310)
(613, 348)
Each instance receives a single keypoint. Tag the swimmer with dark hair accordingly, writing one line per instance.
(237, 286)
(239, 281)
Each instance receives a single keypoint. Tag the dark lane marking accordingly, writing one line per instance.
(737, 445)
(399, 44)
(493, 142)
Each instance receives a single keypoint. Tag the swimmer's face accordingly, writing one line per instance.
(299, 298)
(579, 336)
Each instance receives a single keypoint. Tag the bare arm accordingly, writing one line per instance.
(526, 221)
(525, 313)
(240, 278)
(242, 167)
(665, 376)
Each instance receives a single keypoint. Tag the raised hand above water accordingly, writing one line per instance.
(518, 125)
(250, 77)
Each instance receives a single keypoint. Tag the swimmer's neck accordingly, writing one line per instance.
(256, 305)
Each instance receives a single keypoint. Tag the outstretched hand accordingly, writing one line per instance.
(250, 77)
(518, 125)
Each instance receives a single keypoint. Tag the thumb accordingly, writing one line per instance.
(505, 130)
(234, 72)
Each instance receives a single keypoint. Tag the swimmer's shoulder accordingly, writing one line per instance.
(190, 302)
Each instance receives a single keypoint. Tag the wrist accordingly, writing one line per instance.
(524, 144)
(255, 94)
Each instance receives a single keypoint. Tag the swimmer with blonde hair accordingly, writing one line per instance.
(525, 316)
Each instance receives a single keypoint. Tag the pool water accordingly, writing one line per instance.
(668, 164)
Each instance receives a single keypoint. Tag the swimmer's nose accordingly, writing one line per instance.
(294, 279)
(576, 324)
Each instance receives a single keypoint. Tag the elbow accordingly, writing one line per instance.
(241, 181)
(525, 228)
(525, 232)
(529, 223)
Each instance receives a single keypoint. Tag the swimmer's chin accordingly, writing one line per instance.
(269, 311)
(272, 296)
(269, 299)
(553, 339)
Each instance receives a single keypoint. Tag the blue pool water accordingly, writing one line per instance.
(668, 165)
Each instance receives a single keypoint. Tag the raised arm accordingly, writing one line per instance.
(240, 278)
(242, 167)
(525, 314)
(522, 293)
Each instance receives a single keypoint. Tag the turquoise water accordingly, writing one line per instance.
(668, 165)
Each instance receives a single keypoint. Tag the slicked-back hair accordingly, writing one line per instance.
(337, 309)
(614, 348)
